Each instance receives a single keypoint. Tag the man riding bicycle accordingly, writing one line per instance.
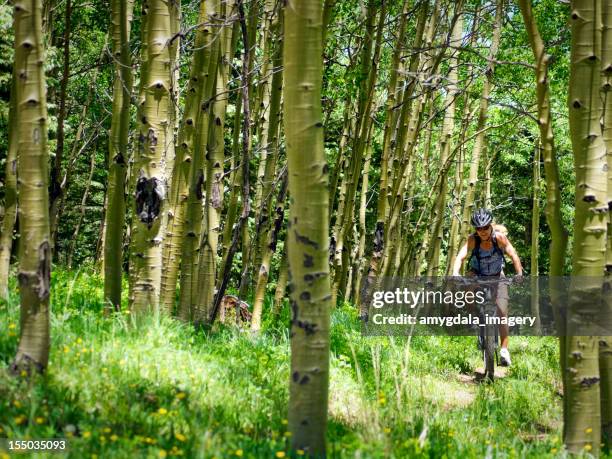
(487, 248)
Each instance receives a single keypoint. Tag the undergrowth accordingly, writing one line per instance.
(118, 389)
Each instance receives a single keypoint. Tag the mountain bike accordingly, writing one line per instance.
(488, 333)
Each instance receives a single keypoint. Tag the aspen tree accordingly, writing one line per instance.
(207, 269)
(446, 136)
(393, 118)
(307, 235)
(208, 46)
(582, 417)
(185, 207)
(173, 220)
(121, 16)
(480, 141)
(369, 76)
(10, 193)
(267, 226)
(558, 245)
(156, 133)
(32, 179)
(57, 184)
(605, 343)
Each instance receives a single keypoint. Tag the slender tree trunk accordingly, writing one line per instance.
(281, 282)
(10, 192)
(272, 237)
(32, 172)
(582, 429)
(605, 342)
(56, 171)
(268, 227)
(206, 67)
(369, 75)
(480, 141)
(227, 261)
(77, 228)
(156, 133)
(214, 177)
(117, 154)
(307, 235)
(437, 230)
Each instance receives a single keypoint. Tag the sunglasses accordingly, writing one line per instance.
(483, 228)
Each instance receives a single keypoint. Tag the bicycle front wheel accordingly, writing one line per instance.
(488, 352)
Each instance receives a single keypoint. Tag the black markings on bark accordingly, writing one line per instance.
(379, 237)
(577, 355)
(305, 296)
(311, 277)
(577, 104)
(308, 328)
(588, 382)
(308, 261)
(199, 185)
(152, 137)
(304, 240)
(305, 379)
(149, 197)
(44, 270)
(295, 376)
(119, 159)
(325, 169)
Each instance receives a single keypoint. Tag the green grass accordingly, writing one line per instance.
(160, 389)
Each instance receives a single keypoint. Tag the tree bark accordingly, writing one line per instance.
(307, 235)
(582, 428)
(10, 192)
(117, 155)
(156, 133)
(33, 197)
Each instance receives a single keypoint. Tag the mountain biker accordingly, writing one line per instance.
(487, 248)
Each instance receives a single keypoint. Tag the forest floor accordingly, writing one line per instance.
(164, 390)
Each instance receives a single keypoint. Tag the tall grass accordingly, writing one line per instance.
(158, 388)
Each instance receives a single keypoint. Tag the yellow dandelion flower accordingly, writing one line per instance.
(588, 447)
(287, 434)
(86, 434)
(102, 438)
(23, 373)
(106, 430)
(4, 456)
(66, 349)
(162, 411)
(114, 437)
(300, 452)
(17, 404)
(554, 450)
(238, 452)
(12, 326)
(387, 430)
(121, 362)
(79, 340)
(588, 430)
(94, 456)
(40, 420)
(20, 419)
(280, 454)
(180, 436)
(284, 422)
(382, 400)
(162, 453)
(181, 395)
